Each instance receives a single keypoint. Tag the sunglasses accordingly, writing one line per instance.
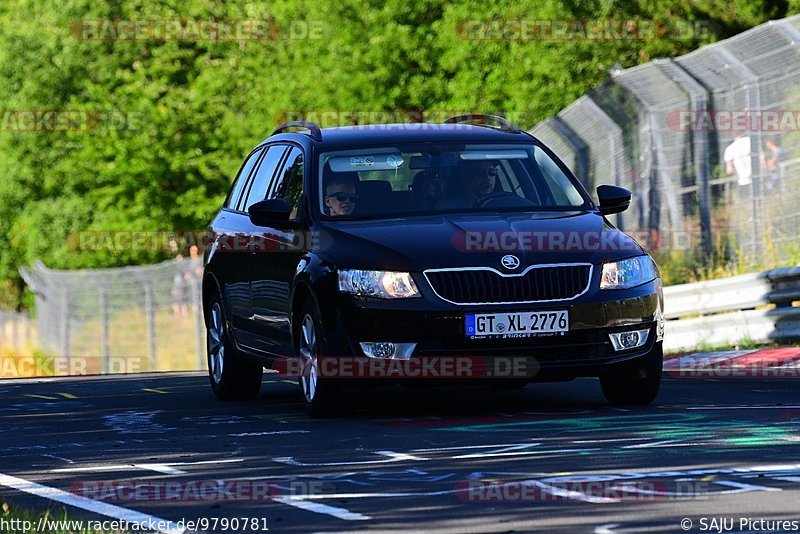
(341, 197)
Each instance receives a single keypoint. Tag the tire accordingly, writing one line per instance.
(637, 387)
(231, 375)
(322, 396)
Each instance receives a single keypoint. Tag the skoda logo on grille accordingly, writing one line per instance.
(510, 262)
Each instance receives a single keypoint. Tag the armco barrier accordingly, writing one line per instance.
(751, 307)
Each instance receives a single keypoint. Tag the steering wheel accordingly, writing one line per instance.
(485, 200)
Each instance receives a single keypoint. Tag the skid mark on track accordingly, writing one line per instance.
(136, 423)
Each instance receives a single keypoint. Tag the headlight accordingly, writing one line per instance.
(381, 284)
(628, 273)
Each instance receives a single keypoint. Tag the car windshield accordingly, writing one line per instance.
(429, 178)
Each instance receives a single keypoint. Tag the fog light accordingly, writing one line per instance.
(388, 350)
(629, 340)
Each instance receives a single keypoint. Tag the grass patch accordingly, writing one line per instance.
(726, 260)
(129, 348)
(14, 520)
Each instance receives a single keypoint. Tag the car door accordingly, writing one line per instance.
(251, 261)
(276, 262)
(230, 231)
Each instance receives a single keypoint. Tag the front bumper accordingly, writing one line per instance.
(438, 330)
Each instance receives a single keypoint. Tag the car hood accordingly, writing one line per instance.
(473, 240)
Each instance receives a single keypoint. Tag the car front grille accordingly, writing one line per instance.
(484, 285)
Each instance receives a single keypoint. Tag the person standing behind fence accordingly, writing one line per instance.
(737, 159)
(195, 275)
(772, 157)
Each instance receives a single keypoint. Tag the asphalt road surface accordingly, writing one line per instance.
(546, 458)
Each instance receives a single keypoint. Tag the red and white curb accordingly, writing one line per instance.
(756, 363)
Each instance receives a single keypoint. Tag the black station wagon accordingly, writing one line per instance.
(461, 252)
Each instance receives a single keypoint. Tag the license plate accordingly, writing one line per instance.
(517, 324)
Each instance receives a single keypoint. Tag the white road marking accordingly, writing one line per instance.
(652, 444)
(59, 458)
(77, 501)
(466, 447)
(497, 452)
(272, 433)
(615, 440)
(546, 487)
(745, 487)
(606, 529)
(523, 453)
(740, 488)
(391, 458)
(335, 511)
(163, 468)
(375, 494)
(571, 494)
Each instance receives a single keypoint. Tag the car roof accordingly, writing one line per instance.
(376, 134)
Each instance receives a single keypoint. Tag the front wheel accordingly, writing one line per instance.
(323, 396)
(639, 386)
(232, 376)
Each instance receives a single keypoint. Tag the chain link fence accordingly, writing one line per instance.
(709, 143)
(17, 333)
(129, 319)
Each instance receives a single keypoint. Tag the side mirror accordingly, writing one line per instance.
(267, 212)
(613, 199)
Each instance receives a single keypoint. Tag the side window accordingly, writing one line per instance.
(289, 181)
(560, 187)
(241, 179)
(260, 182)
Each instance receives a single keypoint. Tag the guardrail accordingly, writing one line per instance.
(753, 307)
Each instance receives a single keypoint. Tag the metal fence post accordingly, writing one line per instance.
(151, 325)
(65, 322)
(105, 339)
(700, 144)
(15, 332)
(28, 331)
(198, 324)
(698, 98)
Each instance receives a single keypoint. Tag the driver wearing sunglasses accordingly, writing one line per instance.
(340, 196)
(474, 179)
